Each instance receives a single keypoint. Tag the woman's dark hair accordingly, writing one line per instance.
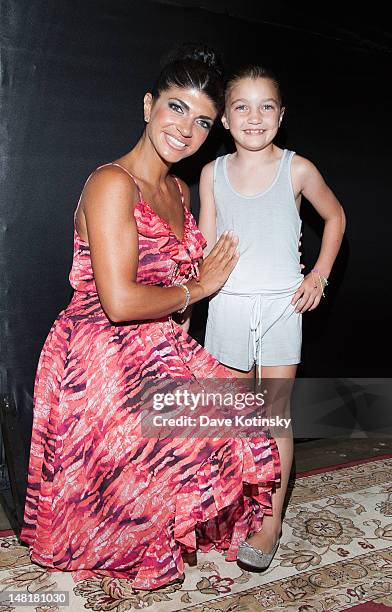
(253, 71)
(193, 66)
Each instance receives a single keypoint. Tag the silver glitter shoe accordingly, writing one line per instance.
(254, 558)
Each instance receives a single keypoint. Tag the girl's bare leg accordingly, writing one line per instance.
(272, 525)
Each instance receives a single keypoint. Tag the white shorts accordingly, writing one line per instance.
(263, 329)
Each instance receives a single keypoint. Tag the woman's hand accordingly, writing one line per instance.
(308, 295)
(217, 266)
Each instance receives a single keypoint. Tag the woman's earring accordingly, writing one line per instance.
(146, 119)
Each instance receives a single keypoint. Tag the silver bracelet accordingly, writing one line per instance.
(322, 280)
(187, 296)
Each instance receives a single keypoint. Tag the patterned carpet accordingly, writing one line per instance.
(335, 554)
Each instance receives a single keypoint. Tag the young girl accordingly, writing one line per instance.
(255, 319)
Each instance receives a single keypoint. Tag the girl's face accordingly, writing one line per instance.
(253, 113)
(178, 122)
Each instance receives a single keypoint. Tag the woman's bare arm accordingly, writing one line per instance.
(184, 319)
(107, 204)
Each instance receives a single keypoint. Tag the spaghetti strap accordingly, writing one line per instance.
(179, 189)
(131, 175)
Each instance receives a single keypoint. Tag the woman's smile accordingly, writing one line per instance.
(174, 142)
(179, 122)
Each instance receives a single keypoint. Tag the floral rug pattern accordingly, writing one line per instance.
(335, 553)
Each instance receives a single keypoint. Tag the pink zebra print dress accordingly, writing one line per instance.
(102, 499)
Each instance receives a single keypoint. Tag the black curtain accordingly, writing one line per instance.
(73, 78)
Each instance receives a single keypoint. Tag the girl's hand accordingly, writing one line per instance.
(307, 296)
(217, 266)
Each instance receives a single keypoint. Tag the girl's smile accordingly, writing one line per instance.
(253, 132)
(253, 113)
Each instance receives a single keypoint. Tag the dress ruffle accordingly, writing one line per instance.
(211, 512)
(185, 253)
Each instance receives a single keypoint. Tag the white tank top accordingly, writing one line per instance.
(268, 226)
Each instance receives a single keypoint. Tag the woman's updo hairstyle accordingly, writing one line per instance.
(193, 66)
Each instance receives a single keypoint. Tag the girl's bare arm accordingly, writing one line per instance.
(207, 217)
(308, 182)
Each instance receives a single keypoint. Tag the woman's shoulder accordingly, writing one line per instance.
(112, 172)
(109, 183)
(112, 176)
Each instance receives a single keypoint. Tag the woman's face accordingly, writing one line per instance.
(179, 121)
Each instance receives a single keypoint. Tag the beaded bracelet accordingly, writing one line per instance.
(187, 296)
(322, 280)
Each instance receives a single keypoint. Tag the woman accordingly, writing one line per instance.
(101, 498)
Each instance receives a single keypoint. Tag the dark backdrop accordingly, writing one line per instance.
(73, 77)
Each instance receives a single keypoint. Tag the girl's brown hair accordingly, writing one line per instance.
(252, 71)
